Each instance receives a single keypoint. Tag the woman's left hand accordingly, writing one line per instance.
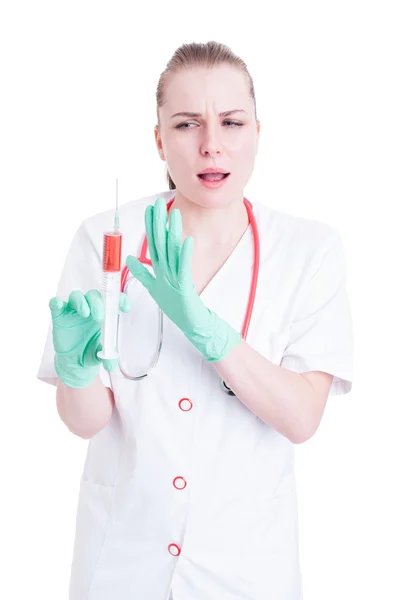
(172, 287)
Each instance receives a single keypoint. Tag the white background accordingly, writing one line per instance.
(77, 110)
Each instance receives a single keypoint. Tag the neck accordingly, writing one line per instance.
(212, 227)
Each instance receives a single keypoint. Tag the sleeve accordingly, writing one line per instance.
(82, 271)
(321, 336)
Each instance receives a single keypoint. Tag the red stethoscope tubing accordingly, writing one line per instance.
(253, 288)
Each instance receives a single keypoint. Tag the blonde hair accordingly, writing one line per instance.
(199, 55)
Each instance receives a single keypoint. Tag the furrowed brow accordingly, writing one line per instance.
(196, 115)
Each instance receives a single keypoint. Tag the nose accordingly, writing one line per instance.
(210, 144)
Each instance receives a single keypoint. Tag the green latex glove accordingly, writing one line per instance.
(172, 288)
(76, 336)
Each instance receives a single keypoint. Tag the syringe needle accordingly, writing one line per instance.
(116, 221)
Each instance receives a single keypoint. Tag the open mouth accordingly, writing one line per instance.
(213, 176)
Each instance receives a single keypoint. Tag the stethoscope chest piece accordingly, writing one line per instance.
(227, 389)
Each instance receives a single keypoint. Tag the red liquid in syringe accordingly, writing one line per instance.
(112, 253)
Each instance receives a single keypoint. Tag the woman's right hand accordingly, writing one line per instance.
(76, 336)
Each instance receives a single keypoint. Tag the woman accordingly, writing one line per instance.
(187, 491)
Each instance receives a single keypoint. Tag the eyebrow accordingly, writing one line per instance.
(194, 115)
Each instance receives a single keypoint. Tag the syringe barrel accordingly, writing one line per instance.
(111, 295)
(112, 252)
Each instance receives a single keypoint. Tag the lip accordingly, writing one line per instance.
(213, 170)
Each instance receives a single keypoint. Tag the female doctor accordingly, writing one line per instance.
(188, 492)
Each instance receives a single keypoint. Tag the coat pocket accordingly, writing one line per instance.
(93, 513)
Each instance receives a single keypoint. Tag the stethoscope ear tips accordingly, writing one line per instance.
(227, 389)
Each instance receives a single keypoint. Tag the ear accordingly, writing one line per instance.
(158, 141)
(258, 127)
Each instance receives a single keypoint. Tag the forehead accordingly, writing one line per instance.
(197, 89)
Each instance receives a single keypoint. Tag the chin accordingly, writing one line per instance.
(209, 198)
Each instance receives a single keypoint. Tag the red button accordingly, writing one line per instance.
(179, 483)
(174, 549)
(185, 404)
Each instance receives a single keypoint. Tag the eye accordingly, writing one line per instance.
(234, 123)
(182, 125)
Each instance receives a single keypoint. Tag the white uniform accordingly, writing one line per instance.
(180, 462)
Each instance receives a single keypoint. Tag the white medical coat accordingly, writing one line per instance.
(183, 467)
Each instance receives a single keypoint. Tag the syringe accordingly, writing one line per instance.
(111, 275)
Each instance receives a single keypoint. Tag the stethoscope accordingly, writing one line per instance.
(125, 279)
